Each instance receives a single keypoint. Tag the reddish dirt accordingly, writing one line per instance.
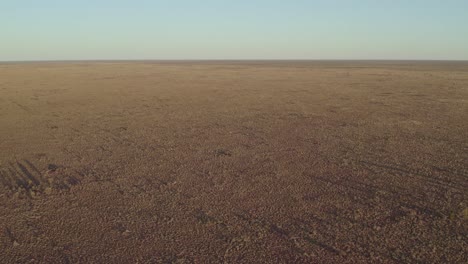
(234, 162)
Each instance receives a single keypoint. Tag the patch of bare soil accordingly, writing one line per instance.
(234, 162)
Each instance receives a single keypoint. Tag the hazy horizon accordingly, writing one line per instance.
(237, 60)
(242, 30)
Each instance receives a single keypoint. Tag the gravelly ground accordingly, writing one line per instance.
(234, 162)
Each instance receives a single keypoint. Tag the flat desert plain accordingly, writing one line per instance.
(234, 162)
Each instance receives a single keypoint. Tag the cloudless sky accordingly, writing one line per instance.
(233, 29)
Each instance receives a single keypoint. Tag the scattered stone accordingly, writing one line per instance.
(15, 243)
(126, 233)
(222, 152)
(52, 168)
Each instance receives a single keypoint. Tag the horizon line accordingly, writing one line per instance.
(232, 60)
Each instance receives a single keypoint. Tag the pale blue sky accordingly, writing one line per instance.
(233, 29)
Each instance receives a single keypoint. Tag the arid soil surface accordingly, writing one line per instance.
(234, 162)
